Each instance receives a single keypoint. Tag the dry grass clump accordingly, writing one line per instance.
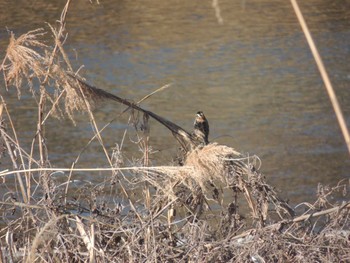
(210, 163)
(24, 59)
(219, 163)
(151, 225)
(28, 59)
(217, 207)
(73, 97)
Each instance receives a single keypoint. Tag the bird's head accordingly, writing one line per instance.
(200, 116)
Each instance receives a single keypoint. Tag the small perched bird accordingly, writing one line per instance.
(188, 141)
(201, 128)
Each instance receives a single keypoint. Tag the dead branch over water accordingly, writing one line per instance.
(215, 207)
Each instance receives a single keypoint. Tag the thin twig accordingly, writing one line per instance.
(298, 219)
(150, 168)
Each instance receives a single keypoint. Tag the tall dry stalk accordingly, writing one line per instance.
(5, 139)
(324, 74)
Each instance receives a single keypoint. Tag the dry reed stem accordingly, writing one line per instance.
(42, 236)
(173, 169)
(99, 137)
(324, 75)
(19, 150)
(22, 205)
(215, 5)
(298, 219)
(14, 164)
(89, 239)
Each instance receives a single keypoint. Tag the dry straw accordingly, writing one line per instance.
(324, 75)
(217, 207)
(24, 61)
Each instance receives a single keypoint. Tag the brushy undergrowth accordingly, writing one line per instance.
(215, 207)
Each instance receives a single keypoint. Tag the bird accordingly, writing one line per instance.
(201, 129)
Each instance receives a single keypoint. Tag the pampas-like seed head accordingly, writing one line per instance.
(24, 60)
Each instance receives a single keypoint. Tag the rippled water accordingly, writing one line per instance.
(253, 76)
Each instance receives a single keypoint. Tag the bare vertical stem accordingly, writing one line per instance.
(42, 102)
(10, 152)
(40, 129)
(215, 5)
(43, 83)
(324, 74)
(14, 163)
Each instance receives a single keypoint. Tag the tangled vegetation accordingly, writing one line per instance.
(214, 207)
